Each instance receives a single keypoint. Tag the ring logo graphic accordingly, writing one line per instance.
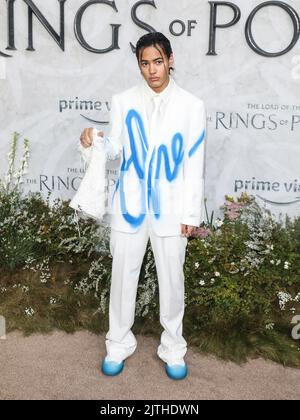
(2, 328)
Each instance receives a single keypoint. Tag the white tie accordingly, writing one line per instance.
(154, 119)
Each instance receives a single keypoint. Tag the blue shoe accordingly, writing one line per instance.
(111, 368)
(176, 371)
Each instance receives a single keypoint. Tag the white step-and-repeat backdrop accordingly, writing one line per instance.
(61, 60)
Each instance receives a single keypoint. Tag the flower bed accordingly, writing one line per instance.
(242, 276)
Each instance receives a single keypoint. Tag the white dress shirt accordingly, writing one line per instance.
(164, 96)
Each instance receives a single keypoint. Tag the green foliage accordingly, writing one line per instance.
(31, 229)
(242, 275)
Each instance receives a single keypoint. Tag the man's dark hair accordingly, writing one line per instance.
(153, 39)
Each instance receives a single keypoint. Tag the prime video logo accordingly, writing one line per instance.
(2, 328)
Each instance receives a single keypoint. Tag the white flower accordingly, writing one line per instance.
(202, 283)
(52, 301)
(29, 311)
(197, 265)
(18, 175)
(212, 281)
(284, 298)
(272, 261)
(217, 274)
(270, 326)
(286, 265)
(278, 262)
(218, 223)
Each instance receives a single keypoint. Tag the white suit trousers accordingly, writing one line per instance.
(128, 250)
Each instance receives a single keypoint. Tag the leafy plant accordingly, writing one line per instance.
(242, 274)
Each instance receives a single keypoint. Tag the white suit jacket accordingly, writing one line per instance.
(161, 176)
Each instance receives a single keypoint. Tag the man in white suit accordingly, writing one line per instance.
(158, 131)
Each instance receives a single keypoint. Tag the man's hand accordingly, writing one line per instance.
(187, 230)
(86, 137)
